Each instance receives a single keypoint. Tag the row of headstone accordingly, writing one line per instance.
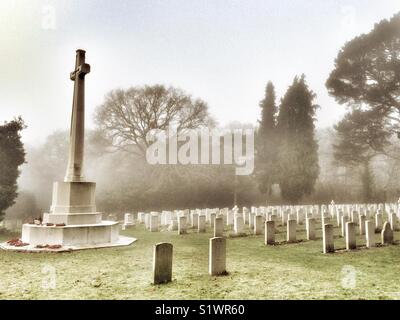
(255, 218)
(301, 212)
(351, 235)
(162, 260)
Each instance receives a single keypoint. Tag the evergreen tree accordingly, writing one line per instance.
(367, 73)
(12, 155)
(362, 135)
(265, 170)
(298, 157)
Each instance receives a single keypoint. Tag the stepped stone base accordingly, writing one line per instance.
(79, 225)
(85, 234)
(122, 241)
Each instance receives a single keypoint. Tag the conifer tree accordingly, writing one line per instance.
(298, 157)
(266, 142)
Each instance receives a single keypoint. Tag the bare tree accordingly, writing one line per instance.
(127, 116)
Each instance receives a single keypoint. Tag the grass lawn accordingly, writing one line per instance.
(286, 271)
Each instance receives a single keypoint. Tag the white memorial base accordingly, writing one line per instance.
(66, 227)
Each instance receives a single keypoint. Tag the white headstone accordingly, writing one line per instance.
(291, 230)
(351, 236)
(258, 222)
(327, 236)
(269, 232)
(310, 226)
(238, 225)
(182, 225)
(153, 223)
(202, 224)
(162, 263)
(370, 233)
(387, 234)
(217, 256)
(218, 227)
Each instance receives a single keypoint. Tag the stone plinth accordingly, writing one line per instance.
(73, 197)
(71, 230)
(106, 231)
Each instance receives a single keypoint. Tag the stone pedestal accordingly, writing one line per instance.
(72, 223)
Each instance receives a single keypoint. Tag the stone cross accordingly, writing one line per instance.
(77, 132)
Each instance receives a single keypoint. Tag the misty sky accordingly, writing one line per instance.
(222, 51)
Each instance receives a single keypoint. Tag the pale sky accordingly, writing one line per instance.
(219, 50)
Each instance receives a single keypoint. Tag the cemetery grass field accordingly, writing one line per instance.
(285, 271)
